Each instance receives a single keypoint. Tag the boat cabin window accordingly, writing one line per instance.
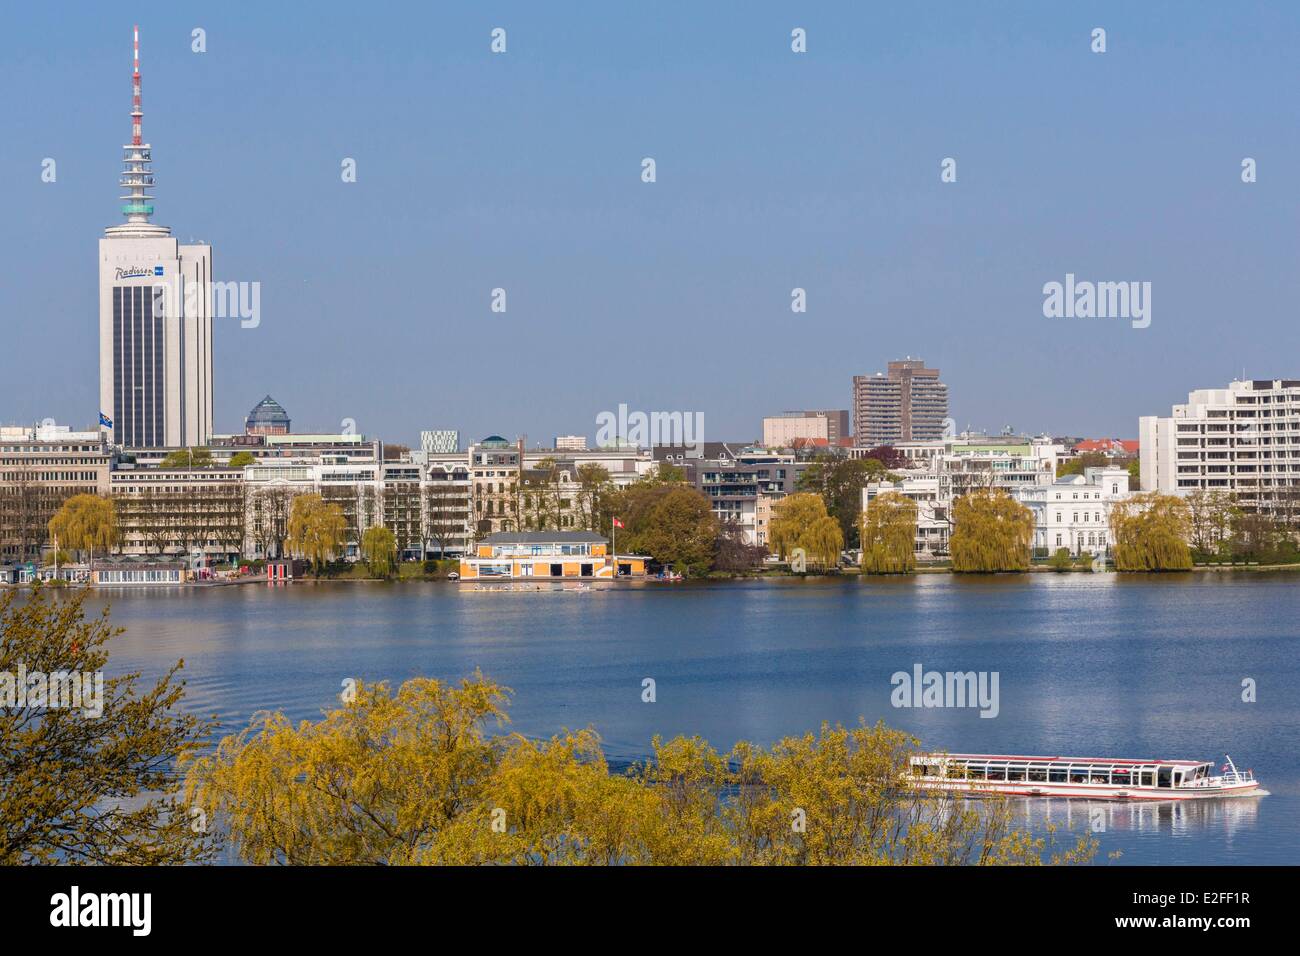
(1016, 773)
(1165, 777)
(1056, 775)
(1038, 775)
(1148, 778)
(1100, 775)
(997, 773)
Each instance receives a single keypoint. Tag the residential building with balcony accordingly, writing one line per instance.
(905, 403)
(1243, 439)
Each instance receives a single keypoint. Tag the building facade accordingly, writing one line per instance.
(1243, 439)
(155, 323)
(905, 403)
(40, 469)
(787, 429)
(534, 555)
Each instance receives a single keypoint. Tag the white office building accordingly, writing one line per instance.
(155, 323)
(1243, 439)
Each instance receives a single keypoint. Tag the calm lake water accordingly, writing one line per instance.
(1104, 665)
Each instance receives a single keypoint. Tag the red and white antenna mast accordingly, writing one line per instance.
(136, 112)
(137, 163)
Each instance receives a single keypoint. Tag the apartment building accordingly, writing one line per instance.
(945, 470)
(1243, 439)
(40, 469)
(905, 403)
(736, 478)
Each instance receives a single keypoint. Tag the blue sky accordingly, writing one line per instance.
(775, 170)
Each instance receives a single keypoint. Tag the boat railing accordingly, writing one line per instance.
(1229, 778)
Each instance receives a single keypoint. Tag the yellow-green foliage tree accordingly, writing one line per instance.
(187, 458)
(801, 521)
(889, 534)
(1150, 532)
(379, 548)
(316, 529)
(416, 777)
(92, 783)
(86, 523)
(991, 532)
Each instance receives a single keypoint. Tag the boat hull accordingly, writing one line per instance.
(1091, 792)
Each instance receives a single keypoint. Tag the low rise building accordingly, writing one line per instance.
(536, 555)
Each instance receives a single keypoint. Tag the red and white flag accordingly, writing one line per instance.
(617, 523)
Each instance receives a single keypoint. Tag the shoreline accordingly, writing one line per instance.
(711, 578)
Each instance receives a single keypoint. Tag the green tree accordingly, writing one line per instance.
(991, 532)
(1150, 532)
(316, 529)
(187, 458)
(379, 549)
(1076, 465)
(90, 784)
(241, 459)
(1061, 560)
(86, 523)
(674, 524)
(889, 535)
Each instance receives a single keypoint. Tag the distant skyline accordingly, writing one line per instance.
(775, 170)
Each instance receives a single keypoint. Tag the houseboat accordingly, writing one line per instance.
(1092, 778)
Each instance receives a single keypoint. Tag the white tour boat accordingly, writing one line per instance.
(1094, 778)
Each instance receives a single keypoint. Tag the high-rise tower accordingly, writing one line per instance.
(155, 325)
(909, 403)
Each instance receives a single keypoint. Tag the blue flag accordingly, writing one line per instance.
(105, 420)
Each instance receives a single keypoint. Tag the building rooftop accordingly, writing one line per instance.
(267, 412)
(544, 537)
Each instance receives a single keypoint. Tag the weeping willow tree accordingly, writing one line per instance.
(1150, 532)
(801, 521)
(316, 529)
(792, 517)
(889, 535)
(991, 532)
(86, 523)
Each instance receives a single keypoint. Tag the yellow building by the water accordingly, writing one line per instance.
(530, 555)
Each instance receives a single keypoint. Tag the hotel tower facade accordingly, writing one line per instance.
(155, 324)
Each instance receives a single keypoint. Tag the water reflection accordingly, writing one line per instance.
(1101, 665)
